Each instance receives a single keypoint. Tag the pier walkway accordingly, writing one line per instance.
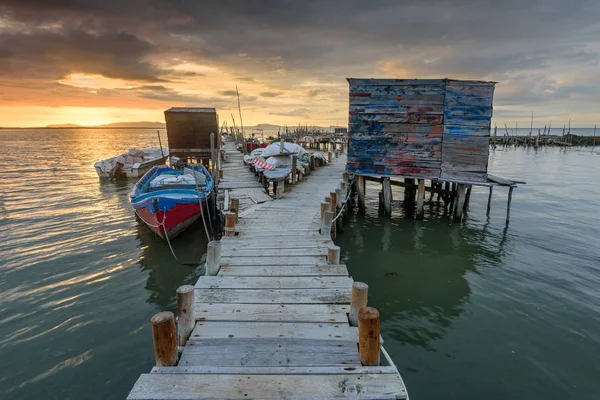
(273, 323)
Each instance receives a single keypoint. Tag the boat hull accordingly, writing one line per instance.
(171, 222)
(137, 171)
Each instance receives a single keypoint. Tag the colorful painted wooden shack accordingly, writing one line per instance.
(420, 128)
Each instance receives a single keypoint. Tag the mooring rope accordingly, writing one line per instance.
(344, 204)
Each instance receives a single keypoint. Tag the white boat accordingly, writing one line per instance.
(133, 164)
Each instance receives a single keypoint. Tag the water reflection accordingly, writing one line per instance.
(417, 270)
(165, 274)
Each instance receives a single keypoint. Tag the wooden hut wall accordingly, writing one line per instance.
(402, 127)
(467, 119)
(188, 131)
(396, 127)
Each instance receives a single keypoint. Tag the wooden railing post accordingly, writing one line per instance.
(368, 336)
(360, 292)
(229, 223)
(326, 223)
(213, 258)
(234, 206)
(294, 169)
(333, 255)
(324, 207)
(185, 313)
(164, 338)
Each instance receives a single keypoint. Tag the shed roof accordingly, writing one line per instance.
(192, 109)
(409, 82)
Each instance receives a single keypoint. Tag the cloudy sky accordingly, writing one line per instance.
(102, 61)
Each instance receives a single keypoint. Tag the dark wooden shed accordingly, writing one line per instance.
(189, 129)
(420, 128)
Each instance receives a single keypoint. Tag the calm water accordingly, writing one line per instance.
(469, 311)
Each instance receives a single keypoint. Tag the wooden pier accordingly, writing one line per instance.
(274, 320)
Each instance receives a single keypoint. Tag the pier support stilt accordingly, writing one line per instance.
(185, 313)
(510, 191)
(420, 198)
(361, 193)
(213, 257)
(461, 192)
(333, 255)
(489, 203)
(359, 300)
(387, 196)
(468, 196)
(368, 336)
(164, 338)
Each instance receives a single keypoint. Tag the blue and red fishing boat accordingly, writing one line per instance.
(169, 200)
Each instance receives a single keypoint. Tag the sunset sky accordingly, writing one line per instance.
(97, 62)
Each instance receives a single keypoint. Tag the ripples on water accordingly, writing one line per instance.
(482, 310)
(469, 311)
(79, 278)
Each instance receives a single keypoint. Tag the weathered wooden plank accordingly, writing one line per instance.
(397, 109)
(292, 387)
(265, 352)
(303, 270)
(502, 181)
(240, 282)
(325, 313)
(466, 111)
(451, 130)
(480, 121)
(274, 330)
(412, 118)
(381, 128)
(274, 370)
(393, 82)
(274, 296)
(460, 100)
(394, 99)
(475, 90)
(255, 261)
(274, 252)
(469, 177)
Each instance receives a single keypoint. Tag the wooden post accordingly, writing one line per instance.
(510, 190)
(489, 204)
(468, 197)
(300, 175)
(360, 291)
(185, 313)
(234, 206)
(368, 336)
(213, 257)
(294, 169)
(328, 157)
(333, 201)
(461, 191)
(345, 177)
(387, 196)
(325, 207)
(338, 198)
(280, 189)
(333, 255)
(326, 223)
(409, 190)
(421, 198)
(361, 193)
(164, 338)
(229, 224)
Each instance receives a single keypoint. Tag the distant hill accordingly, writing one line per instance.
(141, 124)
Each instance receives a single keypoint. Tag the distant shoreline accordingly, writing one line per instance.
(82, 127)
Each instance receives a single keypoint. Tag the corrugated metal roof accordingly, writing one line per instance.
(192, 109)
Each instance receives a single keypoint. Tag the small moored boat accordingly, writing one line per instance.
(169, 200)
(133, 164)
